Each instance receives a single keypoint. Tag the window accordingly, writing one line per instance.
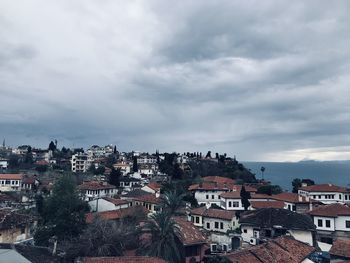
(328, 223)
(221, 225)
(340, 196)
(245, 231)
(229, 204)
(319, 197)
(197, 219)
(23, 230)
(347, 224)
(235, 204)
(212, 196)
(208, 225)
(320, 223)
(207, 197)
(216, 225)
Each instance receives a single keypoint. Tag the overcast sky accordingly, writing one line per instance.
(264, 80)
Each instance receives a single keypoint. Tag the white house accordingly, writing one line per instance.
(93, 190)
(264, 224)
(326, 193)
(123, 166)
(4, 163)
(108, 204)
(208, 193)
(332, 221)
(152, 188)
(80, 163)
(10, 182)
(128, 183)
(146, 159)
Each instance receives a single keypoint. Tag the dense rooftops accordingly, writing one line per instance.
(189, 234)
(331, 210)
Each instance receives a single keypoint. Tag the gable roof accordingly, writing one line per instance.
(331, 210)
(341, 248)
(212, 186)
(125, 259)
(95, 185)
(324, 188)
(189, 234)
(282, 250)
(236, 193)
(290, 197)
(11, 176)
(149, 198)
(272, 217)
(214, 213)
(154, 186)
(266, 204)
(135, 193)
(218, 179)
(116, 201)
(116, 214)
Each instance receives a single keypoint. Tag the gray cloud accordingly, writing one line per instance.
(264, 81)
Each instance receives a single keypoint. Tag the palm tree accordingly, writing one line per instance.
(262, 169)
(164, 242)
(172, 201)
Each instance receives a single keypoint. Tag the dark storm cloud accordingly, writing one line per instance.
(262, 80)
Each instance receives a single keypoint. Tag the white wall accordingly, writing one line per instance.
(104, 205)
(303, 236)
(227, 224)
(201, 197)
(332, 223)
(340, 223)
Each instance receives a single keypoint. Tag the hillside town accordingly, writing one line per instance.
(104, 205)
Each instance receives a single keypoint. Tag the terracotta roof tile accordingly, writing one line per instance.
(341, 248)
(116, 201)
(125, 259)
(11, 176)
(266, 204)
(94, 185)
(236, 192)
(324, 188)
(189, 234)
(155, 186)
(332, 210)
(282, 250)
(214, 213)
(116, 214)
(290, 197)
(218, 179)
(149, 198)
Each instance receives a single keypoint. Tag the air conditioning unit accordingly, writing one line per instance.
(254, 241)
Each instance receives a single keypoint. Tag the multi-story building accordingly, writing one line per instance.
(146, 159)
(232, 200)
(10, 182)
(326, 193)
(332, 221)
(80, 163)
(93, 190)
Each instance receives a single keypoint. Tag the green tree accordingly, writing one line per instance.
(52, 146)
(63, 214)
(296, 183)
(114, 177)
(164, 242)
(245, 196)
(172, 201)
(270, 189)
(262, 169)
(135, 167)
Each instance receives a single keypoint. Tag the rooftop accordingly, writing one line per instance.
(272, 217)
(149, 198)
(266, 204)
(218, 179)
(125, 259)
(189, 234)
(214, 213)
(116, 214)
(95, 185)
(283, 249)
(332, 210)
(324, 188)
(115, 201)
(290, 197)
(341, 248)
(11, 176)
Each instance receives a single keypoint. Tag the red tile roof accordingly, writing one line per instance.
(214, 213)
(341, 248)
(211, 186)
(11, 176)
(94, 185)
(116, 201)
(324, 188)
(189, 234)
(282, 250)
(266, 204)
(116, 214)
(218, 179)
(290, 197)
(155, 186)
(236, 193)
(148, 198)
(125, 259)
(332, 210)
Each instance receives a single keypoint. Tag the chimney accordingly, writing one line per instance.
(207, 205)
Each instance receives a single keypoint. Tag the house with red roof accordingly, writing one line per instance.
(108, 203)
(332, 221)
(92, 190)
(152, 202)
(152, 188)
(295, 202)
(282, 249)
(10, 182)
(326, 193)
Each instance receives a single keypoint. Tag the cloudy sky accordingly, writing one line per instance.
(265, 80)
